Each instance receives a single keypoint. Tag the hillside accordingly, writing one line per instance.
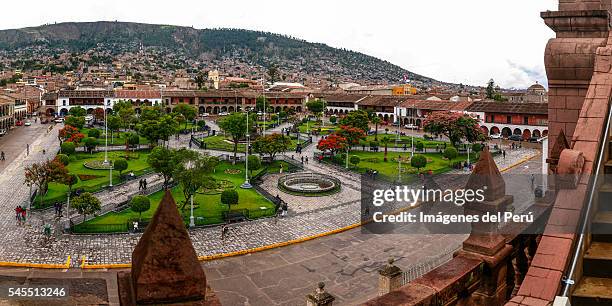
(186, 47)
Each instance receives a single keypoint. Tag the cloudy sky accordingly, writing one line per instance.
(455, 41)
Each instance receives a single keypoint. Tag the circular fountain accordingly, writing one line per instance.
(309, 184)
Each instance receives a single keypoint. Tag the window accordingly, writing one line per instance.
(508, 119)
(526, 120)
(64, 102)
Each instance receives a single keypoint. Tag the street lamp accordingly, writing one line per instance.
(105, 138)
(412, 130)
(247, 184)
(399, 160)
(191, 218)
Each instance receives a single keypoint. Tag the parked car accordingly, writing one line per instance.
(19, 123)
(515, 137)
(534, 139)
(495, 136)
(223, 114)
(27, 123)
(411, 126)
(205, 115)
(2, 132)
(58, 120)
(89, 118)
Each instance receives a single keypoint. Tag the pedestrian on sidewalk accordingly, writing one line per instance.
(140, 185)
(2, 156)
(302, 160)
(144, 184)
(27, 149)
(44, 151)
(18, 213)
(307, 160)
(23, 214)
(504, 154)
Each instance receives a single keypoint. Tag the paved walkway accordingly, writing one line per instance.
(26, 244)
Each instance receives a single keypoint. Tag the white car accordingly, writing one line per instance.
(205, 115)
(27, 123)
(495, 136)
(58, 120)
(411, 126)
(89, 118)
(2, 132)
(223, 114)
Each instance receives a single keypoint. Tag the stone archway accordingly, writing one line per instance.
(230, 109)
(201, 110)
(63, 112)
(224, 109)
(536, 133)
(545, 133)
(517, 131)
(506, 132)
(278, 109)
(485, 130)
(90, 111)
(209, 109)
(495, 130)
(299, 109)
(50, 112)
(137, 110)
(526, 134)
(215, 110)
(418, 122)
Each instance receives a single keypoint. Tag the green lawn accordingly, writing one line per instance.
(93, 180)
(221, 143)
(207, 206)
(407, 140)
(325, 130)
(372, 160)
(115, 138)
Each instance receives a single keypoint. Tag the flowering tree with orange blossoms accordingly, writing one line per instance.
(70, 133)
(455, 126)
(332, 143)
(352, 134)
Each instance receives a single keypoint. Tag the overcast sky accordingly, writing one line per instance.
(456, 41)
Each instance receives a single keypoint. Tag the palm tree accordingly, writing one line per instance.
(385, 140)
(376, 120)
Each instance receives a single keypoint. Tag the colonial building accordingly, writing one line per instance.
(414, 112)
(341, 103)
(511, 118)
(536, 93)
(7, 111)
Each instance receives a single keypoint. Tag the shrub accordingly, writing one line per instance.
(229, 197)
(68, 148)
(95, 133)
(140, 204)
(254, 163)
(63, 158)
(333, 119)
(354, 160)
(450, 153)
(418, 161)
(90, 143)
(374, 144)
(120, 165)
(477, 147)
(419, 146)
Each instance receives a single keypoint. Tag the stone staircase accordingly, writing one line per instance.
(595, 286)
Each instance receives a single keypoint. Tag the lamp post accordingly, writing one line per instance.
(399, 160)
(110, 169)
(105, 138)
(191, 218)
(412, 130)
(247, 184)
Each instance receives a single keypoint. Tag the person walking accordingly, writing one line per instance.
(140, 185)
(2, 156)
(27, 149)
(144, 184)
(302, 160)
(307, 160)
(504, 154)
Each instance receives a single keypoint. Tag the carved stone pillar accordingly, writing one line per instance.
(320, 297)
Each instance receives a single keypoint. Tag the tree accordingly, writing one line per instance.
(200, 80)
(163, 161)
(151, 113)
(419, 146)
(229, 197)
(450, 153)
(140, 204)
(120, 165)
(254, 163)
(148, 130)
(385, 140)
(189, 112)
(358, 119)
(127, 116)
(193, 171)
(455, 126)
(476, 147)
(68, 148)
(271, 144)
(490, 89)
(317, 107)
(95, 133)
(86, 204)
(71, 134)
(113, 123)
(352, 134)
(333, 119)
(166, 127)
(376, 121)
(332, 143)
(131, 140)
(41, 174)
(354, 160)
(99, 114)
(69, 180)
(75, 121)
(77, 111)
(260, 103)
(121, 104)
(90, 143)
(235, 126)
(418, 161)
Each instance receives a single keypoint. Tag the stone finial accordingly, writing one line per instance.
(558, 147)
(165, 267)
(320, 297)
(486, 176)
(389, 269)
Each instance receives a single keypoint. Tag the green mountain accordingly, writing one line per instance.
(250, 47)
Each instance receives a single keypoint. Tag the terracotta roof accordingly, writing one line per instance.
(382, 100)
(49, 96)
(340, 97)
(86, 93)
(437, 105)
(509, 107)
